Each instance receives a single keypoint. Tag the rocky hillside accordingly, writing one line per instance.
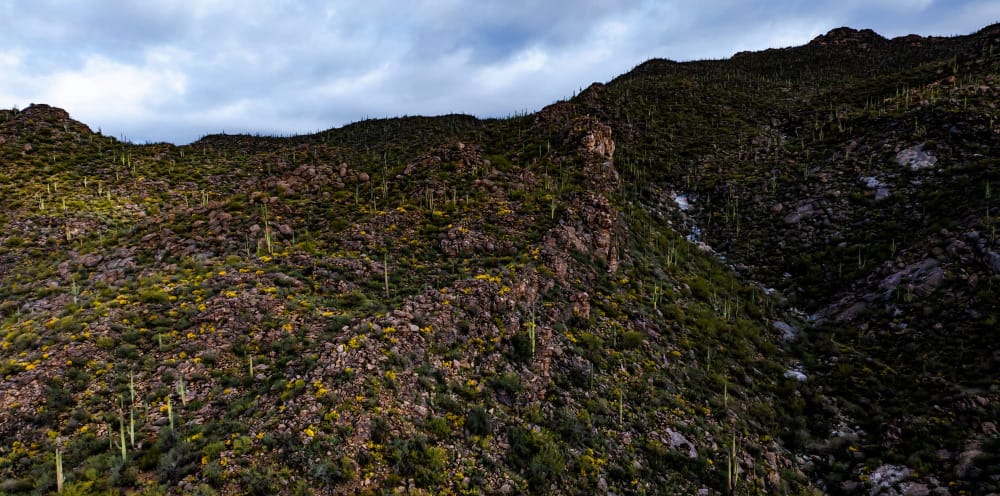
(771, 274)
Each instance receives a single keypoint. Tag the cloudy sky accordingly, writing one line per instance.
(162, 70)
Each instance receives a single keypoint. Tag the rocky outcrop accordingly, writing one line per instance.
(465, 158)
(596, 150)
(850, 38)
(589, 220)
(465, 241)
(39, 120)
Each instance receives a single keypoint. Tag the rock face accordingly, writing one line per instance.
(597, 139)
(788, 331)
(921, 277)
(596, 150)
(595, 218)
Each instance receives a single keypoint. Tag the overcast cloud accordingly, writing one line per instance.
(161, 70)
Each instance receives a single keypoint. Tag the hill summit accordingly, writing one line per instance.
(844, 36)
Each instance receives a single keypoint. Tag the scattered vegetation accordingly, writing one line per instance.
(524, 305)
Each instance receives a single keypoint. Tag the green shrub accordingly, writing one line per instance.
(414, 457)
(355, 300)
(126, 350)
(521, 344)
(24, 341)
(632, 339)
(106, 343)
(478, 421)
(509, 382)
(336, 323)
(439, 427)
(537, 456)
(260, 483)
(154, 296)
(333, 472)
(178, 462)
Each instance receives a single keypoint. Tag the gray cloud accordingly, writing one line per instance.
(164, 70)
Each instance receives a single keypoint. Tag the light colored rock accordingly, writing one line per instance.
(915, 158)
(990, 429)
(924, 276)
(91, 261)
(798, 375)
(881, 189)
(851, 312)
(788, 331)
(678, 442)
(804, 210)
(887, 476)
(966, 460)
(683, 202)
(915, 489)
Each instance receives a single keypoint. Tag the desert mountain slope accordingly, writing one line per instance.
(769, 274)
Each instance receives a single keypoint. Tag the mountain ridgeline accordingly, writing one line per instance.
(772, 274)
